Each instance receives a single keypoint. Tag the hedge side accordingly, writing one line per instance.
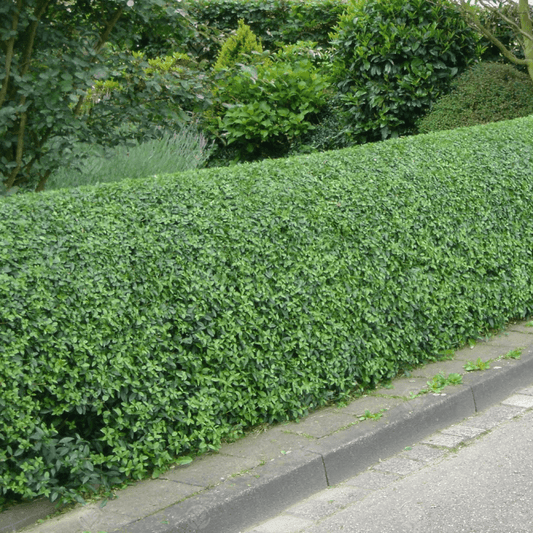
(285, 21)
(143, 321)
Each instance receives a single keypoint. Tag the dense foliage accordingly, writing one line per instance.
(274, 22)
(52, 53)
(394, 58)
(268, 105)
(238, 47)
(489, 92)
(143, 321)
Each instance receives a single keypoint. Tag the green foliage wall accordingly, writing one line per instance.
(278, 21)
(141, 322)
(488, 92)
(395, 57)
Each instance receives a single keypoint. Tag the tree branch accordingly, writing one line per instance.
(110, 25)
(30, 37)
(515, 26)
(476, 22)
(101, 41)
(20, 146)
(503, 49)
(9, 52)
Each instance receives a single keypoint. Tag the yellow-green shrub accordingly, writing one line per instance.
(238, 48)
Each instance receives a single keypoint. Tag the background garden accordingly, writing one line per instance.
(147, 315)
(94, 93)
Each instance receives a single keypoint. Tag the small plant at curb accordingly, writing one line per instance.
(372, 416)
(437, 384)
(513, 354)
(472, 366)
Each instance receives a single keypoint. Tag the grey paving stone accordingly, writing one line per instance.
(25, 514)
(133, 503)
(327, 502)
(209, 470)
(493, 416)
(423, 453)
(399, 465)
(465, 431)
(372, 480)
(369, 403)
(483, 350)
(447, 367)
(448, 441)
(321, 423)
(403, 387)
(519, 400)
(265, 446)
(283, 524)
(522, 327)
(528, 391)
(513, 339)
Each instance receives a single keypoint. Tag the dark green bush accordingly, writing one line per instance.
(274, 22)
(394, 58)
(488, 92)
(141, 322)
(329, 133)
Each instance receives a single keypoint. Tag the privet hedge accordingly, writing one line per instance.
(488, 92)
(141, 321)
(273, 21)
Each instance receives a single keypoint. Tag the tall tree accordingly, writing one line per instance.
(514, 16)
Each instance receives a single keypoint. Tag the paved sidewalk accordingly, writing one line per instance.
(258, 477)
(435, 485)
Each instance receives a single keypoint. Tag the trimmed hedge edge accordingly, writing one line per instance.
(140, 322)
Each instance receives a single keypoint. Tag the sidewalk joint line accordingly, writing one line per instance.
(474, 398)
(325, 470)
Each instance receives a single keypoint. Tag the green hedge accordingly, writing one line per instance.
(143, 321)
(488, 92)
(277, 21)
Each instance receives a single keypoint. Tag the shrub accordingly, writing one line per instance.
(330, 132)
(394, 58)
(140, 322)
(177, 152)
(238, 48)
(269, 105)
(274, 22)
(50, 56)
(488, 92)
(318, 55)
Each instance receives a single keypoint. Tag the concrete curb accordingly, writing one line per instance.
(279, 478)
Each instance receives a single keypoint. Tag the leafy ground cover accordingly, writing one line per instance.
(145, 321)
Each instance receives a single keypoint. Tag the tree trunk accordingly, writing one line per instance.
(527, 27)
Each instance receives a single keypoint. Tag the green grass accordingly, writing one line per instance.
(185, 150)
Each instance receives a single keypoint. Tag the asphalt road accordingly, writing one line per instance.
(484, 485)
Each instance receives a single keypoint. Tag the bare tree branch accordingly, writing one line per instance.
(509, 21)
